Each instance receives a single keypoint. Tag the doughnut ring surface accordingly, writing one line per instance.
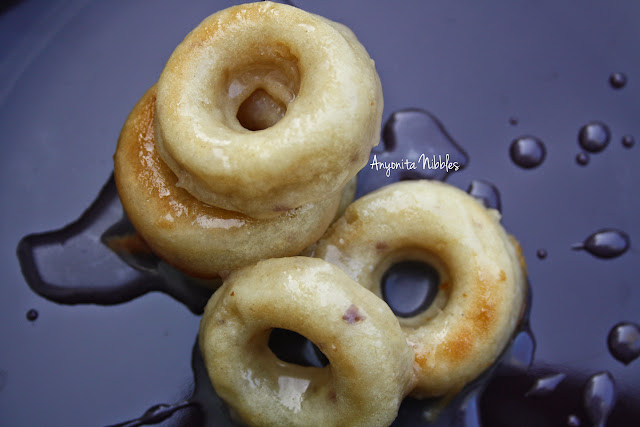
(194, 237)
(305, 85)
(371, 365)
(481, 268)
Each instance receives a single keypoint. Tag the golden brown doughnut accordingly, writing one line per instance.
(371, 365)
(304, 82)
(482, 273)
(194, 237)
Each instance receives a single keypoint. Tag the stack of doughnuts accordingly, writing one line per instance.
(242, 150)
(242, 155)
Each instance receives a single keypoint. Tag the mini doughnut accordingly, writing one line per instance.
(304, 84)
(371, 365)
(194, 237)
(482, 274)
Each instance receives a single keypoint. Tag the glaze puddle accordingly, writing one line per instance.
(544, 386)
(573, 420)
(605, 243)
(98, 259)
(415, 145)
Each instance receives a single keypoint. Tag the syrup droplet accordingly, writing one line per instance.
(32, 315)
(513, 121)
(99, 259)
(527, 152)
(618, 80)
(415, 146)
(487, 193)
(410, 287)
(624, 342)
(541, 253)
(605, 243)
(573, 421)
(628, 141)
(545, 385)
(594, 136)
(599, 397)
(582, 158)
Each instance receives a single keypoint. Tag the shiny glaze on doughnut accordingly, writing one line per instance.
(158, 180)
(197, 238)
(482, 274)
(310, 78)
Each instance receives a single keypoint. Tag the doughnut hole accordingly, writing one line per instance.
(259, 91)
(292, 347)
(409, 287)
(415, 284)
(260, 111)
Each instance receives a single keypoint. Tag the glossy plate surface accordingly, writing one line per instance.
(489, 74)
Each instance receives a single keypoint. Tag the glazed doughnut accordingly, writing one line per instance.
(194, 237)
(482, 274)
(304, 84)
(371, 365)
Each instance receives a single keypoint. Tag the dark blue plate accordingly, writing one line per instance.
(489, 74)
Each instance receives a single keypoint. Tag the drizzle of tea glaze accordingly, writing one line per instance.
(122, 268)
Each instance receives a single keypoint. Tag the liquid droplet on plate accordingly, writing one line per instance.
(415, 146)
(32, 315)
(628, 141)
(527, 152)
(594, 136)
(605, 243)
(599, 397)
(582, 158)
(541, 253)
(545, 385)
(513, 121)
(624, 342)
(487, 193)
(618, 80)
